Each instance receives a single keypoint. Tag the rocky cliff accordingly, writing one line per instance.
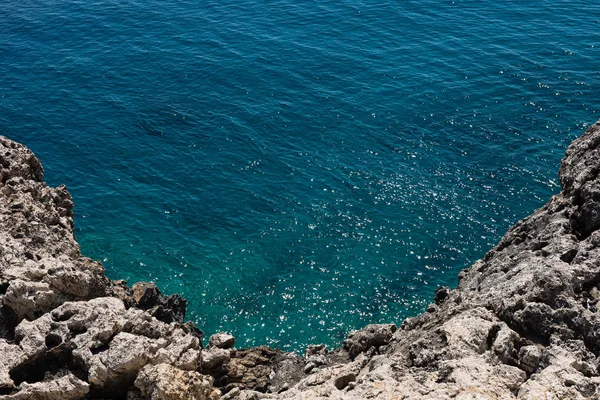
(523, 322)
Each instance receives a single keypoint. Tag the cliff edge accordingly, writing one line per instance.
(523, 323)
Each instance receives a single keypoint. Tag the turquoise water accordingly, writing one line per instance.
(298, 169)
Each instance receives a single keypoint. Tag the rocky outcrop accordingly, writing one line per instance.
(523, 323)
(68, 332)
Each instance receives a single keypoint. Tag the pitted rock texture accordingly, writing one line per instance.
(523, 323)
(163, 381)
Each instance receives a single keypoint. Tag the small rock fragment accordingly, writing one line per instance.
(343, 380)
(221, 340)
(529, 358)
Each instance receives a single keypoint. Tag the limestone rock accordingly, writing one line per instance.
(128, 354)
(529, 358)
(374, 335)
(221, 340)
(110, 343)
(67, 387)
(10, 357)
(214, 358)
(17, 160)
(166, 382)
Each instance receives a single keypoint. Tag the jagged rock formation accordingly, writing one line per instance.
(523, 323)
(68, 332)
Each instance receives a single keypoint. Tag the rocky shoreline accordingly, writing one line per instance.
(523, 323)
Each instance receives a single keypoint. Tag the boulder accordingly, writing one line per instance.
(373, 335)
(221, 340)
(166, 382)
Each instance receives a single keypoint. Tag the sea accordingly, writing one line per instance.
(298, 169)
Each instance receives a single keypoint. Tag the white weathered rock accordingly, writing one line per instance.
(183, 352)
(27, 299)
(126, 355)
(67, 387)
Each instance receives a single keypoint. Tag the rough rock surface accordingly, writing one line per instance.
(66, 331)
(523, 323)
(221, 340)
(163, 381)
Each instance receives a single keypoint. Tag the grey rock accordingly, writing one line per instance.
(343, 380)
(373, 335)
(529, 358)
(221, 340)
(127, 355)
(506, 344)
(18, 161)
(10, 357)
(214, 358)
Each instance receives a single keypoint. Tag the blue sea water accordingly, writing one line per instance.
(298, 169)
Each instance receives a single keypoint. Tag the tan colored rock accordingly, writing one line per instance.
(221, 340)
(215, 394)
(166, 382)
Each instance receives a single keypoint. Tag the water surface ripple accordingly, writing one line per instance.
(297, 169)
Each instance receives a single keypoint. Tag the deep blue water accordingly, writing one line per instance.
(298, 169)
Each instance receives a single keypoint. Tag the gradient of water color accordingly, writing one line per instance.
(298, 169)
